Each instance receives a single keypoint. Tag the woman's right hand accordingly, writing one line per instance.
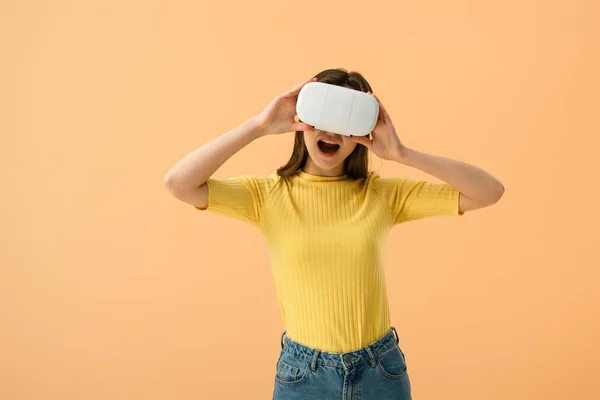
(278, 116)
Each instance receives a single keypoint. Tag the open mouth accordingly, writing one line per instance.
(328, 148)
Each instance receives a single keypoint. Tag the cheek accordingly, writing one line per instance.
(349, 147)
(309, 137)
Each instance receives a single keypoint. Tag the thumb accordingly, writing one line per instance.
(301, 126)
(362, 140)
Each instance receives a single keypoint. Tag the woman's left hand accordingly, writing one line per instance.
(385, 143)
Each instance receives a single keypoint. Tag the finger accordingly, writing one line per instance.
(300, 126)
(383, 110)
(381, 104)
(381, 114)
(362, 140)
(377, 99)
(294, 91)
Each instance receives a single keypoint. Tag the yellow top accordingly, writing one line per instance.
(326, 238)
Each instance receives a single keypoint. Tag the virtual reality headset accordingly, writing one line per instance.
(337, 109)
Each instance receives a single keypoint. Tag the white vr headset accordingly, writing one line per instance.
(337, 109)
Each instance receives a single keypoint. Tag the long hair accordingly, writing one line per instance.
(356, 165)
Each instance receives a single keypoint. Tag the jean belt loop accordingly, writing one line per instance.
(372, 358)
(282, 335)
(313, 362)
(396, 335)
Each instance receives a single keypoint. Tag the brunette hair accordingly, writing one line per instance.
(356, 165)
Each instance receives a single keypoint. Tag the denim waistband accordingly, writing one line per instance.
(314, 356)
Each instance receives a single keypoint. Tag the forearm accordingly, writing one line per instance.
(470, 180)
(196, 167)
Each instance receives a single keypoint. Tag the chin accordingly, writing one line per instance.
(327, 163)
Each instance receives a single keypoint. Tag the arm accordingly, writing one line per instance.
(186, 179)
(477, 187)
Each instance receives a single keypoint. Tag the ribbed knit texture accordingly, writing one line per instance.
(326, 239)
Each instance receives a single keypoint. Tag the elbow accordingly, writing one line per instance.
(169, 183)
(496, 194)
(499, 191)
(493, 196)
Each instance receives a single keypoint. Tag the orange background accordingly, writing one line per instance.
(110, 288)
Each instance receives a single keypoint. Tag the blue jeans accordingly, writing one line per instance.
(375, 372)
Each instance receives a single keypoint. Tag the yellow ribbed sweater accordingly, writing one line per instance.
(326, 238)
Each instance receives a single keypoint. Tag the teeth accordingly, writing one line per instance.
(327, 141)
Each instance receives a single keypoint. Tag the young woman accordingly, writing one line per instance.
(325, 218)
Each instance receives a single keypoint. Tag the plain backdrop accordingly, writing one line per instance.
(110, 288)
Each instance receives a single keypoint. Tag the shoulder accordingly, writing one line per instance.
(260, 180)
(382, 185)
(260, 183)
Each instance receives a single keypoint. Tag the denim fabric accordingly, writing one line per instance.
(375, 372)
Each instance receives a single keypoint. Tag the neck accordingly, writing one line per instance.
(311, 168)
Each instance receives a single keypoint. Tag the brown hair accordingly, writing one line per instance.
(356, 165)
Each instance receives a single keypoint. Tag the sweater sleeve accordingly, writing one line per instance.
(241, 197)
(410, 199)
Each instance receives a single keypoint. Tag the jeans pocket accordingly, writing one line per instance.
(290, 370)
(392, 363)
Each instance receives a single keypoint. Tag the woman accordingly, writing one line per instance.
(325, 218)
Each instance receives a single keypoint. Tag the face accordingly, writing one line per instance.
(321, 162)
